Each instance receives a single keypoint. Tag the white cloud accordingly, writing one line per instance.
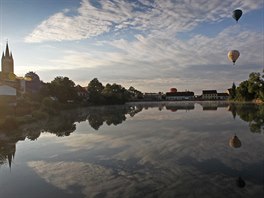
(160, 17)
(156, 55)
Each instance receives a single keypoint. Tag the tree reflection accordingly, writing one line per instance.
(251, 113)
(63, 125)
(110, 115)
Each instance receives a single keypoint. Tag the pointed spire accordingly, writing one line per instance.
(7, 50)
(3, 55)
(9, 157)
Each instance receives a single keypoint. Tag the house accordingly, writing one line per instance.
(223, 96)
(209, 95)
(81, 91)
(152, 96)
(8, 93)
(186, 95)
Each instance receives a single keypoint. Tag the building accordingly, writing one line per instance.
(7, 62)
(30, 83)
(82, 92)
(7, 94)
(209, 95)
(223, 96)
(152, 96)
(7, 76)
(186, 95)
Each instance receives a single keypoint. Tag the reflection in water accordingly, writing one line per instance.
(175, 107)
(240, 182)
(213, 106)
(234, 142)
(64, 125)
(251, 113)
(176, 156)
(7, 152)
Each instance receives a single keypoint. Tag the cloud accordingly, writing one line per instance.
(158, 18)
(154, 54)
(161, 63)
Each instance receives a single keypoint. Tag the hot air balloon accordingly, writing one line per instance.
(233, 55)
(234, 142)
(237, 14)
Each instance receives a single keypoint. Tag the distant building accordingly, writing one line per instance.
(6, 90)
(152, 96)
(186, 95)
(7, 61)
(7, 76)
(223, 96)
(7, 93)
(209, 95)
(30, 83)
(81, 91)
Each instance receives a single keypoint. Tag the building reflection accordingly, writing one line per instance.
(7, 152)
(213, 106)
(175, 107)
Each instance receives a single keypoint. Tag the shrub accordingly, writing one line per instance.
(39, 115)
(10, 123)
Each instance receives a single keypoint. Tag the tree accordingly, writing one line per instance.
(253, 88)
(135, 93)
(63, 88)
(233, 91)
(95, 89)
(115, 94)
(242, 92)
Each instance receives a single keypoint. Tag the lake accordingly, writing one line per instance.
(173, 149)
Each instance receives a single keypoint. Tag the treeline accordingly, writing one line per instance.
(61, 94)
(65, 91)
(249, 90)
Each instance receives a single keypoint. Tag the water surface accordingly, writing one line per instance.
(176, 149)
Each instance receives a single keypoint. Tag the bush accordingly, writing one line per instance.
(10, 123)
(50, 106)
(39, 115)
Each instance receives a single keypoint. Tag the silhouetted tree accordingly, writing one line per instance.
(253, 88)
(95, 89)
(63, 88)
(233, 92)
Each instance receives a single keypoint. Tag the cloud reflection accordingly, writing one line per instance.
(98, 181)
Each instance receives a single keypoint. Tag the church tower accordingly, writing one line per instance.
(7, 61)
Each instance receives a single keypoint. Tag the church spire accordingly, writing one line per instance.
(7, 50)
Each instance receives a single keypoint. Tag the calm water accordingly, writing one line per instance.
(138, 150)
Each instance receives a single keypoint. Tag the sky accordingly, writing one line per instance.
(152, 45)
